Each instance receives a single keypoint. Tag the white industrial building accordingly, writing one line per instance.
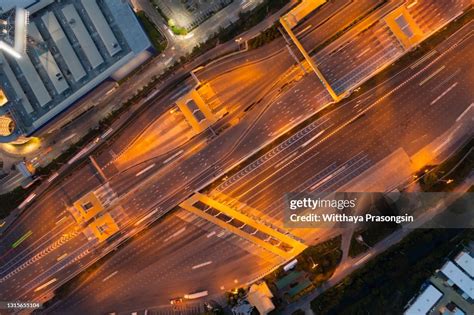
(456, 276)
(425, 302)
(72, 46)
(466, 262)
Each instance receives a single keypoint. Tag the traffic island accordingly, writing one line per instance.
(103, 227)
(92, 212)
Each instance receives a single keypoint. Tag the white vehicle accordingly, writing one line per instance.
(196, 295)
(290, 265)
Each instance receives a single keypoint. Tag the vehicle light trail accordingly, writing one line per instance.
(21, 239)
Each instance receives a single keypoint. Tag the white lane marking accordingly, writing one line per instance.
(62, 257)
(174, 234)
(420, 138)
(364, 258)
(448, 78)
(448, 138)
(363, 53)
(145, 170)
(444, 93)
(52, 177)
(68, 138)
(146, 217)
(110, 276)
(327, 178)
(149, 97)
(45, 285)
(108, 132)
(304, 29)
(211, 234)
(313, 138)
(285, 159)
(432, 75)
(27, 200)
(173, 156)
(413, 66)
(411, 5)
(202, 265)
(465, 112)
(60, 220)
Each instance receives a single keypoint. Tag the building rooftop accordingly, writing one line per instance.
(259, 295)
(7, 5)
(72, 47)
(425, 301)
(459, 278)
(466, 262)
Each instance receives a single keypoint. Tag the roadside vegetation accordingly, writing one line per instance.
(449, 174)
(363, 240)
(246, 21)
(10, 201)
(177, 30)
(265, 37)
(390, 280)
(157, 39)
(316, 264)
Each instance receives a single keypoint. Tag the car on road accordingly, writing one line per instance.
(196, 295)
(176, 301)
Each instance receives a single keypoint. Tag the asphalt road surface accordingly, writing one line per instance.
(379, 132)
(37, 259)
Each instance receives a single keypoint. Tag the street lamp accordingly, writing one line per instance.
(239, 42)
(314, 264)
(360, 239)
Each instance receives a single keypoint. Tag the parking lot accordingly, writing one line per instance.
(189, 14)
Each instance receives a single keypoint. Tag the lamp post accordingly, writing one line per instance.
(314, 264)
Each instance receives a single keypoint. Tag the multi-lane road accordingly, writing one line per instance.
(380, 132)
(54, 249)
